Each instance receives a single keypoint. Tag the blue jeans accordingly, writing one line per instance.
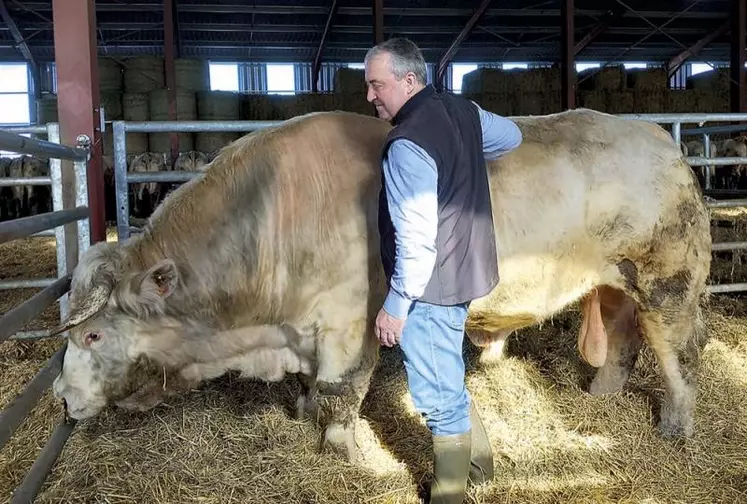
(431, 344)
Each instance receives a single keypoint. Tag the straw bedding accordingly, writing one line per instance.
(234, 441)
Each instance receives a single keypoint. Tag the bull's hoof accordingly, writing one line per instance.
(608, 380)
(676, 426)
(341, 441)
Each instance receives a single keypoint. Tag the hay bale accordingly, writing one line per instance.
(110, 75)
(647, 79)
(708, 101)
(621, 102)
(350, 80)
(678, 101)
(186, 110)
(192, 74)
(137, 143)
(714, 81)
(46, 110)
(611, 78)
(143, 74)
(135, 107)
(218, 106)
(595, 100)
(112, 103)
(650, 102)
(513, 82)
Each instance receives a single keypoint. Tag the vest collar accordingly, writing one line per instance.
(413, 103)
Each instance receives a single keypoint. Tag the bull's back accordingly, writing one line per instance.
(582, 188)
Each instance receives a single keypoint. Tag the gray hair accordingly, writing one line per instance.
(405, 57)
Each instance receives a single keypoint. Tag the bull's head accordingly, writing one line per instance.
(114, 305)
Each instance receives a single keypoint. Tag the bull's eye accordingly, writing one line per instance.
(92, 337)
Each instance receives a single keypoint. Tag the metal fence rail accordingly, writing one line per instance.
(17, 411)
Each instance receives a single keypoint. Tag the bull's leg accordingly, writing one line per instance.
(346, 360)
(306, 404)
(624, 341)
(675, 333)
(492, 344)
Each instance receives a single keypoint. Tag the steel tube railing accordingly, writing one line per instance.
(26, 226)
(694, 118)
(30, 309)
(161, 176)
(20, 181)
(724, 246)
(17, 411)
(27, 283)
(195, 126)
(38, 130)
(34, 480)
(734, 203)
(34, 147)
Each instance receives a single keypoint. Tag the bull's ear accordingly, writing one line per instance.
(162, 277)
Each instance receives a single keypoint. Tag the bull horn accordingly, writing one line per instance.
(92, 304)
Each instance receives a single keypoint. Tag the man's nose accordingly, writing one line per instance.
(370, 95)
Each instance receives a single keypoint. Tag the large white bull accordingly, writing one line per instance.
(268, 263)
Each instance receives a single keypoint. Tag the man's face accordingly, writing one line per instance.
(384, 90)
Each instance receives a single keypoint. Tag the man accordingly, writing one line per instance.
(438, 248)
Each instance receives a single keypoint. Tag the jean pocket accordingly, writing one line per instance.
(456, 316)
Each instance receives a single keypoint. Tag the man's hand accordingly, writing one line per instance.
(388, 329)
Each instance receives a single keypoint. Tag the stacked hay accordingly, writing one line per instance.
(186, 110)
(216, 106)
(144, 74)
(514, 92)
(604, 89)
(350, 86)
(135, 108)
(192, 74)
(647, 89)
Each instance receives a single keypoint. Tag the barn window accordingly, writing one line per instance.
(458, 71)
(14, 94)
(281, 79)
(224, 76)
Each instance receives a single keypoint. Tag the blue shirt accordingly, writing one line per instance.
(411, 182)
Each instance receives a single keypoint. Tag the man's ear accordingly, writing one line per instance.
(162, 278)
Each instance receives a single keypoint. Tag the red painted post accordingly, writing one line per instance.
(78, 94)
(567, 57)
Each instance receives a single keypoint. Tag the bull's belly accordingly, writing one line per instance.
(533, 288)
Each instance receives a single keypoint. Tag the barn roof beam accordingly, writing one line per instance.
(454, 47)
(602, 26)
(361, 29)
(317, 65)
(677, 61)
(22, 46)
(242, 8)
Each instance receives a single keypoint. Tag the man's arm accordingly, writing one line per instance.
(499, 134)
(411, 182)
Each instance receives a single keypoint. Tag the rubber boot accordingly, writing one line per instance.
(451, 465)
(481, 462)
